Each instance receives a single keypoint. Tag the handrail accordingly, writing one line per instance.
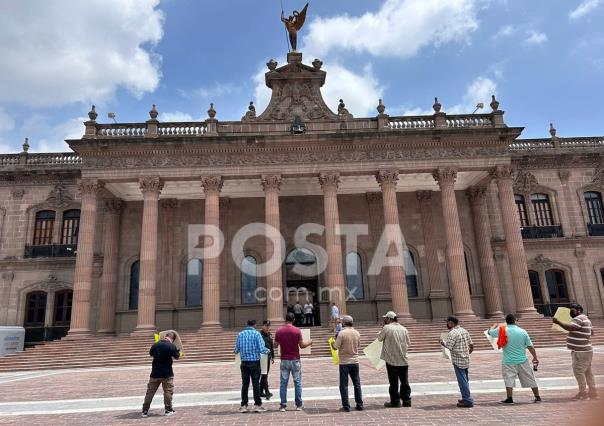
(40, 159)
(121, 130)
(182, 129)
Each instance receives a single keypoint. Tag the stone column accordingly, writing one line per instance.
(333, 243)
(376, 225)
(387, 180)
(165, 291)
(82, 282)
(111, 232)
(271, 185)
(456, 265)
(513, 241)
(212, 185)
(482, 231)
(151, 187)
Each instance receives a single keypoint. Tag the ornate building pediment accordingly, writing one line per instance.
(59, 197)
(525, 182)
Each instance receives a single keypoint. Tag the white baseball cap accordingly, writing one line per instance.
(390, 314)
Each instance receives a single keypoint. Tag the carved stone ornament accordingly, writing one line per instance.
(150, 184)
(251, 112)
(17, 193)
(52, 277)
(8, 276)
(89, 186)
(525, 182)
(598, 178)
(437, 106)
(58, 196)
(329, 180)
(212, 183)
(445, 175)
(502, 172)
(271, 182)
(423, 196)
(114, 206)
(387, 177)
(564, 174)
(476, 194)
(543, 261)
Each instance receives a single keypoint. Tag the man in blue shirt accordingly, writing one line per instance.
(515, 363)
(249, 346)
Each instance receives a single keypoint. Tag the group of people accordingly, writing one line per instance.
(252, 344)
(305, 315)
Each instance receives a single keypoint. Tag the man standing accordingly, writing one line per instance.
(268, 342)
(161, 373)
(394, 353)
(335, 314)
(298, 313)
(289, 339)
(347, 343)
(308, 307)
(515, 363)
(460, 344)
(579, 343)
(249, 346)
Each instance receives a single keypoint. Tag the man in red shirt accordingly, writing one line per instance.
(288, 339)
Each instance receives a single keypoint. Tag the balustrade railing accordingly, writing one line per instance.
(45, 159)
(411, 122)
(474, 120)
(9, 159)
(121, 130)
(534, 232)
(182, 129)
(541, 144)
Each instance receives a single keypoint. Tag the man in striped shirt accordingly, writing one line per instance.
(579, 343)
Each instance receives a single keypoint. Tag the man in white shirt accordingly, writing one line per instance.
(298, 313)
(335, 314)
(308, 313)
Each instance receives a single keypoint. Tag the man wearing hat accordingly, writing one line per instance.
(460, 344)
(394, 353)
(347, 343)
(579, 343)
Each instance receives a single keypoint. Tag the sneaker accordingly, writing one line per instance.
(464, 405)
(389, 404)
(300, 408)
(407, 403)
(581, 396)
(243, 409)
(507, 401)
(359, 408)
(169, 413)
(537, 399)
(282, 408)
(269, 396)
(145, 414)
(345, 409)
(259, 409)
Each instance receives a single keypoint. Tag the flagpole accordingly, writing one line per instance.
(286, 34)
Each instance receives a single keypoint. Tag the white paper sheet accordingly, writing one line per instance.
(306, 338)
(446, 352)
(263, 364)
(492, 341)
(237, 364)
(563, 315)
(373, 352)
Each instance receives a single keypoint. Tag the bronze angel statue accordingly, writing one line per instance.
(293, 24)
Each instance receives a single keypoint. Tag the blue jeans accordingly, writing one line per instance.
(295, 368)
(463, 380)
(353, 371)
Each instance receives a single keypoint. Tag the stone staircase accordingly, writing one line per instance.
(110, 351)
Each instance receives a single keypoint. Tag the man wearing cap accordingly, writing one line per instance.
(460, 344)
(347, 343)
(579, 343)
(396, 343)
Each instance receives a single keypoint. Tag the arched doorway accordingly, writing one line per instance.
(35, 316)
(301, 280)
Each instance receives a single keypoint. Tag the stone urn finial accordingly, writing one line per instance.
(317, 64)
(92, 113)
(437, 105)
(26, 144)
(552, 130)
(272, 65)
(494, 104)
(212, 111)
(381, 108)
(153, 113)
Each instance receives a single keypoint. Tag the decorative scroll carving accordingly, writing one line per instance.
(271, 182)
(90, 186)
(525, 182)
(563, 174)
(58, 196)
(329, 180)
(423, 196)
(476, 193)
(150, 184)
(387, 177)
(598, 177)
(212, 183)
(445, 175)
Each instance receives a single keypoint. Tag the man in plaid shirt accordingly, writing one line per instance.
(249, 346)
(460, 344)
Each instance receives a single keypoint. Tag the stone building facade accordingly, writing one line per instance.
(99, 240)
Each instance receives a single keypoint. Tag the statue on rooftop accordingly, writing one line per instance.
(293, 24)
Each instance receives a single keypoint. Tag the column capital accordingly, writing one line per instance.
(271, 182)
(387, 177)
(502, 172)
(423, 196)
(150, 184)
(90, 186)
(212, 183)
(329, 180)
(445, 176)
(169, 204)
(477, 194)
(114, 206)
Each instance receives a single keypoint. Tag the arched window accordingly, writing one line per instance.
(70, 227)
(410, 274)
(354, 276)
(521, 207)
(62, 313)
(543, 210)
(594, 207)
(465, 258)
(535, 287)
(45, 220)
(248, 280)
(193, 291)
(35, 308)
(556, 285)
(134, 277)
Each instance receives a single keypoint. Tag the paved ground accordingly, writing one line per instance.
(208, 393)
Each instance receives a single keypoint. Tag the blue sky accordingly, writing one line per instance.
(544, 59)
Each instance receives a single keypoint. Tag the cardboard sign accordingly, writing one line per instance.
(562, 315)
(306, 338)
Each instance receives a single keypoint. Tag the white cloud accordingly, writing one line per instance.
(7, 122)
(177, 116)
(400, 28)
(584, 8)
(479, 91)
(54, 139)
(505, 31)
(535, 37)
(56, 52)
(360, 91)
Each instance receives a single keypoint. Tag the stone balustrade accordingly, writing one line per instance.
(411, 122)
(469, 120)
(551, 143)
(182, 129)
(127, 130)
(63, 159)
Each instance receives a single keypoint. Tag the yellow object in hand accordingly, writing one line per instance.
(335, 359)
(156, 337)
